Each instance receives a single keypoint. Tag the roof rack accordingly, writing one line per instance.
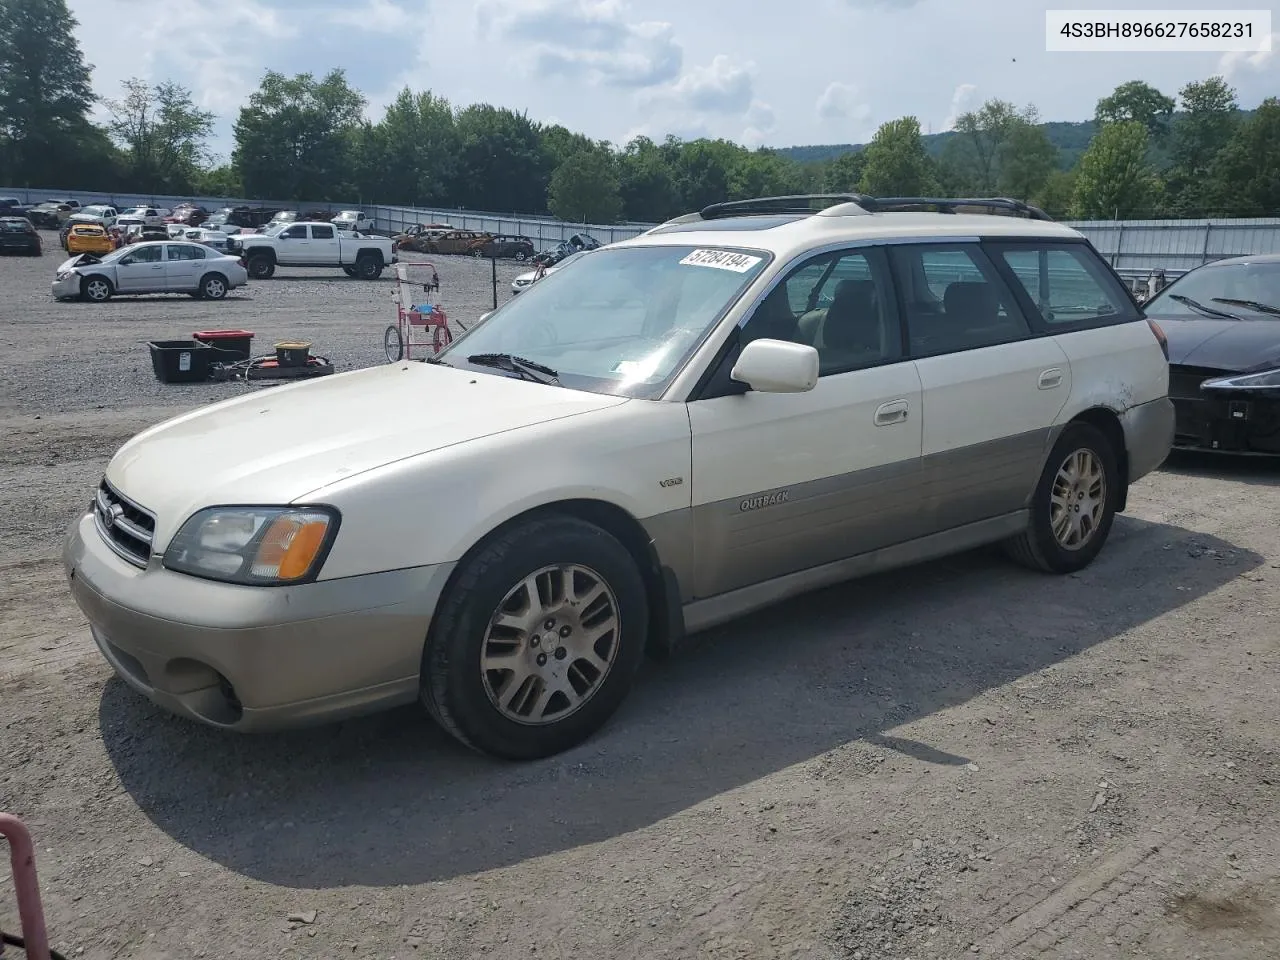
(949, 205)
(807, 203)
(855, 203)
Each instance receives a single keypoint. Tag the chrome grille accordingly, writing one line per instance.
(126, 527)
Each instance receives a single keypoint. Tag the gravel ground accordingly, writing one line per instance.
(955, 760)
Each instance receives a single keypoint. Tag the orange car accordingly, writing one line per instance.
(89, 238)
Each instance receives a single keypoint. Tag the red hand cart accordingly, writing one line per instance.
(398, 340)
(22, 859)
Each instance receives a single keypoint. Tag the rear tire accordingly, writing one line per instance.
(1074, 504)
(368, 267)
(563, 603)
(213, 286)
(350, 272)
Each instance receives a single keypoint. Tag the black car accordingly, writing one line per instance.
(1222, 322)
(19, 235)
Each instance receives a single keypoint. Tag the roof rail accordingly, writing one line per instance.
(807, 203)
(949, 205)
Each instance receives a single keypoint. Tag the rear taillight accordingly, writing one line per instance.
(1160, 337)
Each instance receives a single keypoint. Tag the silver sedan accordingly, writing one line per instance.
(150, 267)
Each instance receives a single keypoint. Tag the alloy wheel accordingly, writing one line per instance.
(1078, 499)
(550, 644)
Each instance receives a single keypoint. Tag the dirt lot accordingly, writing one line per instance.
(960, 759)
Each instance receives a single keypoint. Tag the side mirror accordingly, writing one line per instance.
(125, 261)
(777, 366)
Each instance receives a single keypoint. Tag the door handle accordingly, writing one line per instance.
(1050, 378)
(895, 411)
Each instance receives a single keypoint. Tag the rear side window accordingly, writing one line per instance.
(185, 251)
(322, 233)
(955, 299)
(1066, 284)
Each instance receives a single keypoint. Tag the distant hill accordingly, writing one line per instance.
(1071, 139)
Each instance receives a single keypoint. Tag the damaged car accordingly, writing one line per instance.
(1222, 322)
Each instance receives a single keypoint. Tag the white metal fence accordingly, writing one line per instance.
(1131, 246)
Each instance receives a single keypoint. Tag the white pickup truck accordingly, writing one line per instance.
(312, 244)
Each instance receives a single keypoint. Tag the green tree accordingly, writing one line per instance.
(1026, 158)
(45, 94)
(762, 173)
(411, 154)
(702, 169)
(843, 174)
(977, 147)
(219, 181)
(1244, 180)
(1056, 195)
(1115, 180)
(1136, 100)
(1209, 118)
(647, 183)
(164, 135)
(897, 164)
(295, 139)
(501, 163)
(584, 188)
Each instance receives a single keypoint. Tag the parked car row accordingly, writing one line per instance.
(443, 238)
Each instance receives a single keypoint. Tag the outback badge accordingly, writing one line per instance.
(765, 500)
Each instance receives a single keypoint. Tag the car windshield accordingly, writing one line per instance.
(618, 321)
(1249, 286)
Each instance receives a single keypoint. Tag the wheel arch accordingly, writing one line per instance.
(1108, 422)
(666, 621)
(259, 251)
(363, 252)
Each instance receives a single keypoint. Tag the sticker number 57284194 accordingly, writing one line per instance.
(721, 260)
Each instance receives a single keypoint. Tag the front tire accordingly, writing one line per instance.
(96, 289)
(537, 641)
(261, 267)
(1074, 504)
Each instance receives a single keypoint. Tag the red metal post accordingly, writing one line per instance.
(22, 859)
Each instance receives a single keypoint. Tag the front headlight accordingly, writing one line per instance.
(261, 546)
(1264, 380)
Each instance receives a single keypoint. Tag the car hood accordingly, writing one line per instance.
(279, 445)
(1235, 345)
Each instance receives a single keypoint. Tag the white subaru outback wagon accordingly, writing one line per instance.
(740, 405)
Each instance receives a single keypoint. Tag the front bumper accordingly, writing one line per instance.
(64, 289)
(254, 658)
(1224, 421)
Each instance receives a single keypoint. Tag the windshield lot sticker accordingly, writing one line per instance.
(721, 260)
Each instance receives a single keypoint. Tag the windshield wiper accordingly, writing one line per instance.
(1250, 304)
(536, 372)
(1200, 307)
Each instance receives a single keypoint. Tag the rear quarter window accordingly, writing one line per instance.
(1063, 286)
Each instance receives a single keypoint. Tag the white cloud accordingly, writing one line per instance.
(885, 4)
(722, 86)
(595, 40)
(841, 101)
(960, 100)
(375, 16)
(1238, 62)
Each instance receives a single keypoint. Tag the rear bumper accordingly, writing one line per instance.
(1148, 435)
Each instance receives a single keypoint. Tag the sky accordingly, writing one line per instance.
(760, 72)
